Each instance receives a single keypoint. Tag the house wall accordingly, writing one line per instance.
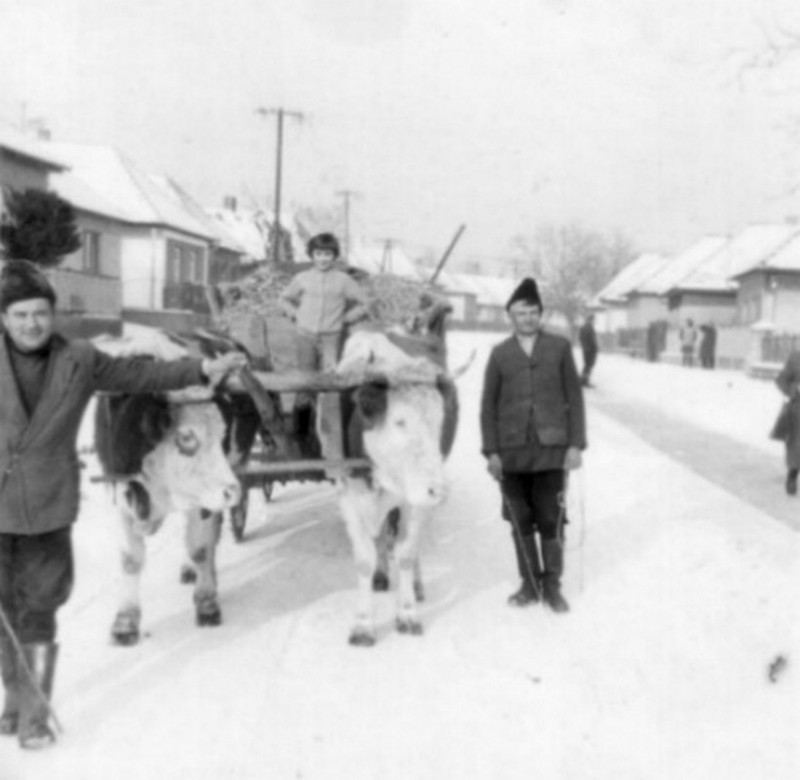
(750, 299)
(144, 253)
(644, 309)
(772, 297)
(92, 284)
(704, 307)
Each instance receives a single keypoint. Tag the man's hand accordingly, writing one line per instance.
(573, 459)
(495, 466)
(216, 369)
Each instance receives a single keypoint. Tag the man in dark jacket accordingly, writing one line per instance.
(588, 340)
(533, 429)
(46, 383)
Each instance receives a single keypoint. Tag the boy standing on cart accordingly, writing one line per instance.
(321, 301)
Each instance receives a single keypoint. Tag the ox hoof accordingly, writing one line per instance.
(409, 626)
(360, 637)
(125, 629)
(208, 613)
(188, 574)
(380, 581)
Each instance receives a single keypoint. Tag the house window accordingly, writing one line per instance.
(91, 252)
(184, 263)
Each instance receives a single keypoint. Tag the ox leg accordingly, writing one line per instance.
(202, 535)
(358, 505)
(125, 629)
(407, 554)
(384, 546)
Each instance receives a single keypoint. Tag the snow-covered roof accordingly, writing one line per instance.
(786, 258)
(222, 237)
(627, 280)
(137, 196)
(84, 197)
(680, 266)
(377, 257)
(488, 290)
(37, 152)
(746, 250)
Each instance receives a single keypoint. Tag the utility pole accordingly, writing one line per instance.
(346, 195)
(280, 113)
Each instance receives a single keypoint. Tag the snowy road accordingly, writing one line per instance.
(682, 578)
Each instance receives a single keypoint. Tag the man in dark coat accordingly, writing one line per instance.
(533, 429)
(46, 382)
(588, 340)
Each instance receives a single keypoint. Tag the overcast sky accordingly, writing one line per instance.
(501, 114)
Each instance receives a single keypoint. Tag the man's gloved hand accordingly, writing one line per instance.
(216, 369)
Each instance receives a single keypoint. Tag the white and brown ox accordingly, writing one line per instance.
(171, 450)
(404, 421)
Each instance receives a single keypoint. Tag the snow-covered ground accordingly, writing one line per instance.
(682, 595)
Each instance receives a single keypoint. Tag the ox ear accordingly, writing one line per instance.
(155, 422)
(371, 399)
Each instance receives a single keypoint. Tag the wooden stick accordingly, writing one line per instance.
(265, 468)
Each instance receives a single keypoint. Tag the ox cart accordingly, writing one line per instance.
(288, 448)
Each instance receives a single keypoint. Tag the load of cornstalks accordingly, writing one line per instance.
(391, 300)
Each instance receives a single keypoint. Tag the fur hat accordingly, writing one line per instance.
(526, 291)
(325, 241)
(21, 280)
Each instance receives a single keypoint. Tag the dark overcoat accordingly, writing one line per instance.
(532, 406)
(788, 381)
(39, 469)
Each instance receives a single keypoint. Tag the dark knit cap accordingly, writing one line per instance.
(21, 280)
(526, 291)
(325, 241)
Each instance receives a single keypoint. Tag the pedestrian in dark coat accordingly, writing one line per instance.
(46, 382)
(788, 382)
(533, 430)
(708, 345)
(588, 340)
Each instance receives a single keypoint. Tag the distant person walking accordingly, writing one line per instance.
(708, 345)
(588, 340)
(688, 337)
(787, 426)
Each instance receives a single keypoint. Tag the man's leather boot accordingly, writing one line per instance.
(553, 554)
(35, 689)
(528, 564)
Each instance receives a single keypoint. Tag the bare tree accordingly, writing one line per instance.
(571, 264)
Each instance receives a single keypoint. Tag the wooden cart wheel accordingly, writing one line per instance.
(239, 516)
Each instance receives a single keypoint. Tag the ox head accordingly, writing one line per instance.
(402, 437)
(187, 469)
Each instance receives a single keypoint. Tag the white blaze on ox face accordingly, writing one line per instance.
(189, 469)
(404, 445)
